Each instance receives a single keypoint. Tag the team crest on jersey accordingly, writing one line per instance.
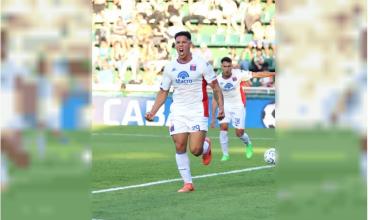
(234, 78)
(193, 67)
(183, 78)
(173, 69)
(228, 87)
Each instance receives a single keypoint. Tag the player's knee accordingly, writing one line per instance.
(196, 151)
(180, 148)
(239, 132)
(223, 127)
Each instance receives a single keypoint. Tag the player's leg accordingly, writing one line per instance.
(363, 159)
(224, 141)
(180, 139)
(182, 161)
(238, 120)
(11, 145)
(240, 133)
(246, 140)
(199, 144)
(11, 148)
(196, 142)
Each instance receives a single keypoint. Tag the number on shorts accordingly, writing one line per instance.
(237, 121)
(196, 128)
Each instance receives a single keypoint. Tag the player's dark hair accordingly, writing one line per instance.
(183, 33)
(226, 59)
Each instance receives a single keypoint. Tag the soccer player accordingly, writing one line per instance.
(234, 99)
(11, 123)
(189, 75)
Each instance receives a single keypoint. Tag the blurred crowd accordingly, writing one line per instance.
(133, 40)
(45, 80)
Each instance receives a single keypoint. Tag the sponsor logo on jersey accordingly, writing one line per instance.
(228, 87)
(183, 78)
(193, 67)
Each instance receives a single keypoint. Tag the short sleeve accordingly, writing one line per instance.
(208, 74)
(245, 75)
(166, 80)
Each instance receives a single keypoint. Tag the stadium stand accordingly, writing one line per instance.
(134, 42)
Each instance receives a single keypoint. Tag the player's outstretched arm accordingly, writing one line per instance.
(262, 74)
(217, 95)
(160, 99)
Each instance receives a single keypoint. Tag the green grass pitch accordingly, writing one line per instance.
(130, 155)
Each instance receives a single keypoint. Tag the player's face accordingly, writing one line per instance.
(226, 69)
(183, 46)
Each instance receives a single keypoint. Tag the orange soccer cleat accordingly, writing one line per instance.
(207, 157)
(188, 187)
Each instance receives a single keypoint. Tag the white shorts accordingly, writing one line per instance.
(235, 115)
(49, 113)
(187, 124)
(9, 118)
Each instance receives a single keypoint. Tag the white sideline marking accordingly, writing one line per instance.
(179, 179)
(166, 136)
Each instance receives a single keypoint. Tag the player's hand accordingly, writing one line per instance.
(213, 123)
(149, 116)
(221, 114)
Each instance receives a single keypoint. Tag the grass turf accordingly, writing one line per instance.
(124, 156)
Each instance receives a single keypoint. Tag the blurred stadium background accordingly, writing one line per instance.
(45, 102)
(322, 109)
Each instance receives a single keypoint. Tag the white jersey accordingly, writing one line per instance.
(10, 117)
(231, 89)
(189, 81)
